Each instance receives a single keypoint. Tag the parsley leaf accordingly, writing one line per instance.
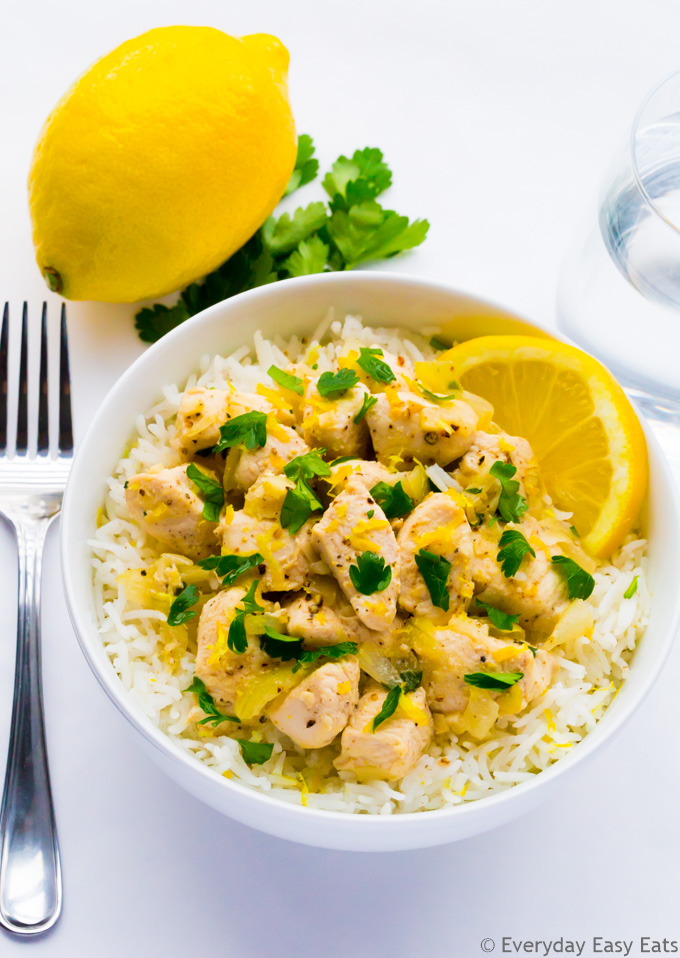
(327, 651)
(435, 571)
(180, 610)
(306, 168)
(366, 165)
(439, 344)
(511, 505)
(579, 582)
(230, 567)
(287, 380)
(370, 574)
(367, 403)
(513, 548)
(332, 385)
(632, 588)
(205, 701)
(389, 706)
(282, 235)
(249, 603)
(278, 645)
(152, 322)
(499, 618)
(392, 499)
(249, 430)
(311, 256)
(410, 680)
(212, 492)
(373, 365)
(367, 231)
(341, 459)
(237, 639)
(308, 465)
(255, 753)
(435, 397)
(494, 681)
(298, 506)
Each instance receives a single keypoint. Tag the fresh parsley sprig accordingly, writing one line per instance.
(435, 571)
(249, 430)
(579, 582)
(370, 574)
(212, 492)
(371, 361)
(205, 701)
(333, 385)
(352, 229)
(511, 506)
(230, 567)
(392, 499)
(301, 501)
(180, 610)
(513, 548)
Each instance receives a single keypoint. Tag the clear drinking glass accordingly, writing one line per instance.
(619, 288)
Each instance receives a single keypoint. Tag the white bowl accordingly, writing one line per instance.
(297, 306)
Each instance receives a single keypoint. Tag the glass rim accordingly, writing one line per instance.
(633, 149)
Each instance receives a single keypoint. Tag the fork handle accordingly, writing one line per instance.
(30, 870)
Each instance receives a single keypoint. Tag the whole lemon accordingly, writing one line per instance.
(160, 162)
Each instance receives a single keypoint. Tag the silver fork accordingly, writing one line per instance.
(31, 490)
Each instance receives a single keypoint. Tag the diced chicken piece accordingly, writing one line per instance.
(281, 446)
(537, 592)
(405, 427)
(329, 423)
(201, 413)
(465, 646)
(344, 533)
(266, 496)
(369, 472)
(438, 525)
(166, 505)
(322, 621)
(224, 672)
(319, 707)
(393, 750)
(487, 448)
(287, 558)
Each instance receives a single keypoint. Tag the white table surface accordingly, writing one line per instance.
(498, 119)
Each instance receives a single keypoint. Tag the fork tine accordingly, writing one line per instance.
(22, 415)
(3, 378)
(65, 423)
(43, 424)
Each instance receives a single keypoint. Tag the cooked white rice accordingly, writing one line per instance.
(590, 673)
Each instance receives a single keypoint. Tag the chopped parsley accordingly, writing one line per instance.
(370, 574)
(392, 499)
(435, 571)
(435, 397)
(367, 403)
(237, 638)
(212, 492)
(249, 430)
(307, 466)
(497, 617)
(513, 548)
(439, 344)
(205, 701)
(410, 680)
(255, 753)
(632, 588)
(511, 506)
(574, 530)
(389, 706)
(328, 652)
(373, 365)
(472, 490)
(333, 385)
(287, 380)
(180, 610)
(298, 506)
(579, 582)
(278, 645)
(230, 567)
(341, 459)
(493, 681)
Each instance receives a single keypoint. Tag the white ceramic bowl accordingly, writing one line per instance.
(297, 306)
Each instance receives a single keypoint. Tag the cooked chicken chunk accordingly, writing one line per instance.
(405, 427)
(319, 707)
(487, 448)
(369, 472)
(394, 748)
(224, 672)
(439, 526)
(465, 646)
(344, 534)
(166, 505)
(536, 593)
(201, 413)
(287, 557)
(321, 622)
(329, 422)
(281, 446)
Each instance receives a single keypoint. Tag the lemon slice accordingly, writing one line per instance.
(585, 434)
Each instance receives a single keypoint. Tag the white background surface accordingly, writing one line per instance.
(498, 119)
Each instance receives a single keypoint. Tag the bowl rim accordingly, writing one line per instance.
(109, 680)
